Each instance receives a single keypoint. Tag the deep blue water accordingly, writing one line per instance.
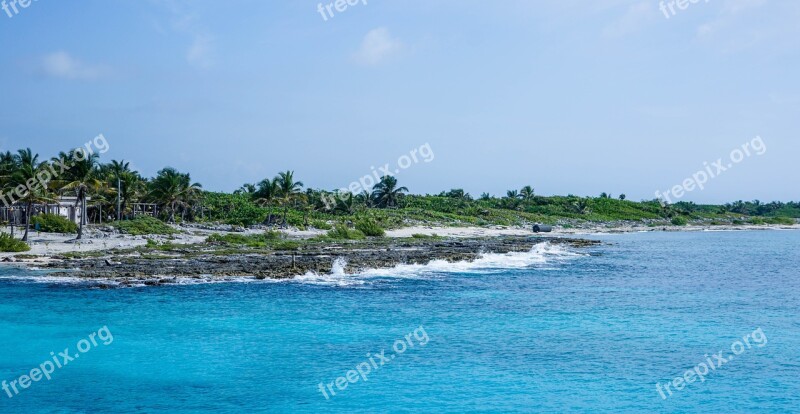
(549, 331)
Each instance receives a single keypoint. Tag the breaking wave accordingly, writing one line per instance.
(541, 256)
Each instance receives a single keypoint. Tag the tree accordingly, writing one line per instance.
(622, 196)
(26, 174)
(526, 193)
(249, 189)
(81, 179)
(512, 194)
(386, 193)
(173, 189)
(289, 190)
(265, 195)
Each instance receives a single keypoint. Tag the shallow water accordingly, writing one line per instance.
(549, 330)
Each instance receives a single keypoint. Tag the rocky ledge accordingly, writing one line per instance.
(280, 265)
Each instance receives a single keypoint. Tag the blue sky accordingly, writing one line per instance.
(571, 97)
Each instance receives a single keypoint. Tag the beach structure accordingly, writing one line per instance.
(66, 207)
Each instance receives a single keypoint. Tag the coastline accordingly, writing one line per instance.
(130, 260)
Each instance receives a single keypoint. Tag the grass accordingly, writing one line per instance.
(370, 228)
(9, 244)
(144, 226)
(341, 232)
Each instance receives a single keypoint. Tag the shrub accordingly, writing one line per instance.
(782, 220)
(143, 226)
(12, 245)
(320, 224)
(680, 221)
(51, 223)
(341, 232)
(287, 245)
(370, 228)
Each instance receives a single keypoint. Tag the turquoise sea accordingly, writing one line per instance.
(552, 330)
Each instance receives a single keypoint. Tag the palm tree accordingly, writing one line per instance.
(80, 178)
(366, 198)
(289, 190)
(526, 193)
(246, 189)
(265, 195)
(173, 189)
(512, 194)
(28, 166)
(386, 192)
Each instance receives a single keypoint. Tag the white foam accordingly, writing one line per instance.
(540, 255)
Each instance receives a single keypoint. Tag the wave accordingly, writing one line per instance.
(542, 256)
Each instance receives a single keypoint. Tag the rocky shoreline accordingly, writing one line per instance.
(128, 268)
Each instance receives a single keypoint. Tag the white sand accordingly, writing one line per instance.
(46, 244)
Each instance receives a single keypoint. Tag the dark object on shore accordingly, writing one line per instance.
(541, 228)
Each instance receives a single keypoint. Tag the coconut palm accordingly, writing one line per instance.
(80, 179)
(248, 189)
(173, 189)
(25, 175)
(289, 190)
(265, 195)
(526, 193)
(512, 194)
(386, 193)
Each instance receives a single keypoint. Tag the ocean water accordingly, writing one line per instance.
(552, 330)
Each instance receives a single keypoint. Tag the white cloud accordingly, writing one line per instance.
(634, 19)
(199, 53)
(377, 47)
(185, 22)
(63, 66)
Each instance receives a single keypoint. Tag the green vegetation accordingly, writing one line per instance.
(144, 226)
(370, 228)
(11, 245)
(283, 201)
(679, 221)
(341, 232)
(51, 223)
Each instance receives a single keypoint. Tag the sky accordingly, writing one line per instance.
(570, 97)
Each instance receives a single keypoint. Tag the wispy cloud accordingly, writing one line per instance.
(743, 24)
(62, 65)
(636, 17)
(377, 47)
(200, 51)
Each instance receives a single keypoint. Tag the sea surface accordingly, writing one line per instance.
(553, 330)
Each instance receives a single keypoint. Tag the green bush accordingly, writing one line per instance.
(341, 232)
(254, 240)
(680, 221)
(781, 220)
(286, 245)
(51, 223)
(320, 224)
(144, 226)
(370, 228)
(12, 245)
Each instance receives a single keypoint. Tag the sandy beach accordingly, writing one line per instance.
(49, 244)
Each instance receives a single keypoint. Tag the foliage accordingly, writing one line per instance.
(143, 226)
(52, 223)
(341, 232)
(370, 228)
(12, 245)
(679, 221)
